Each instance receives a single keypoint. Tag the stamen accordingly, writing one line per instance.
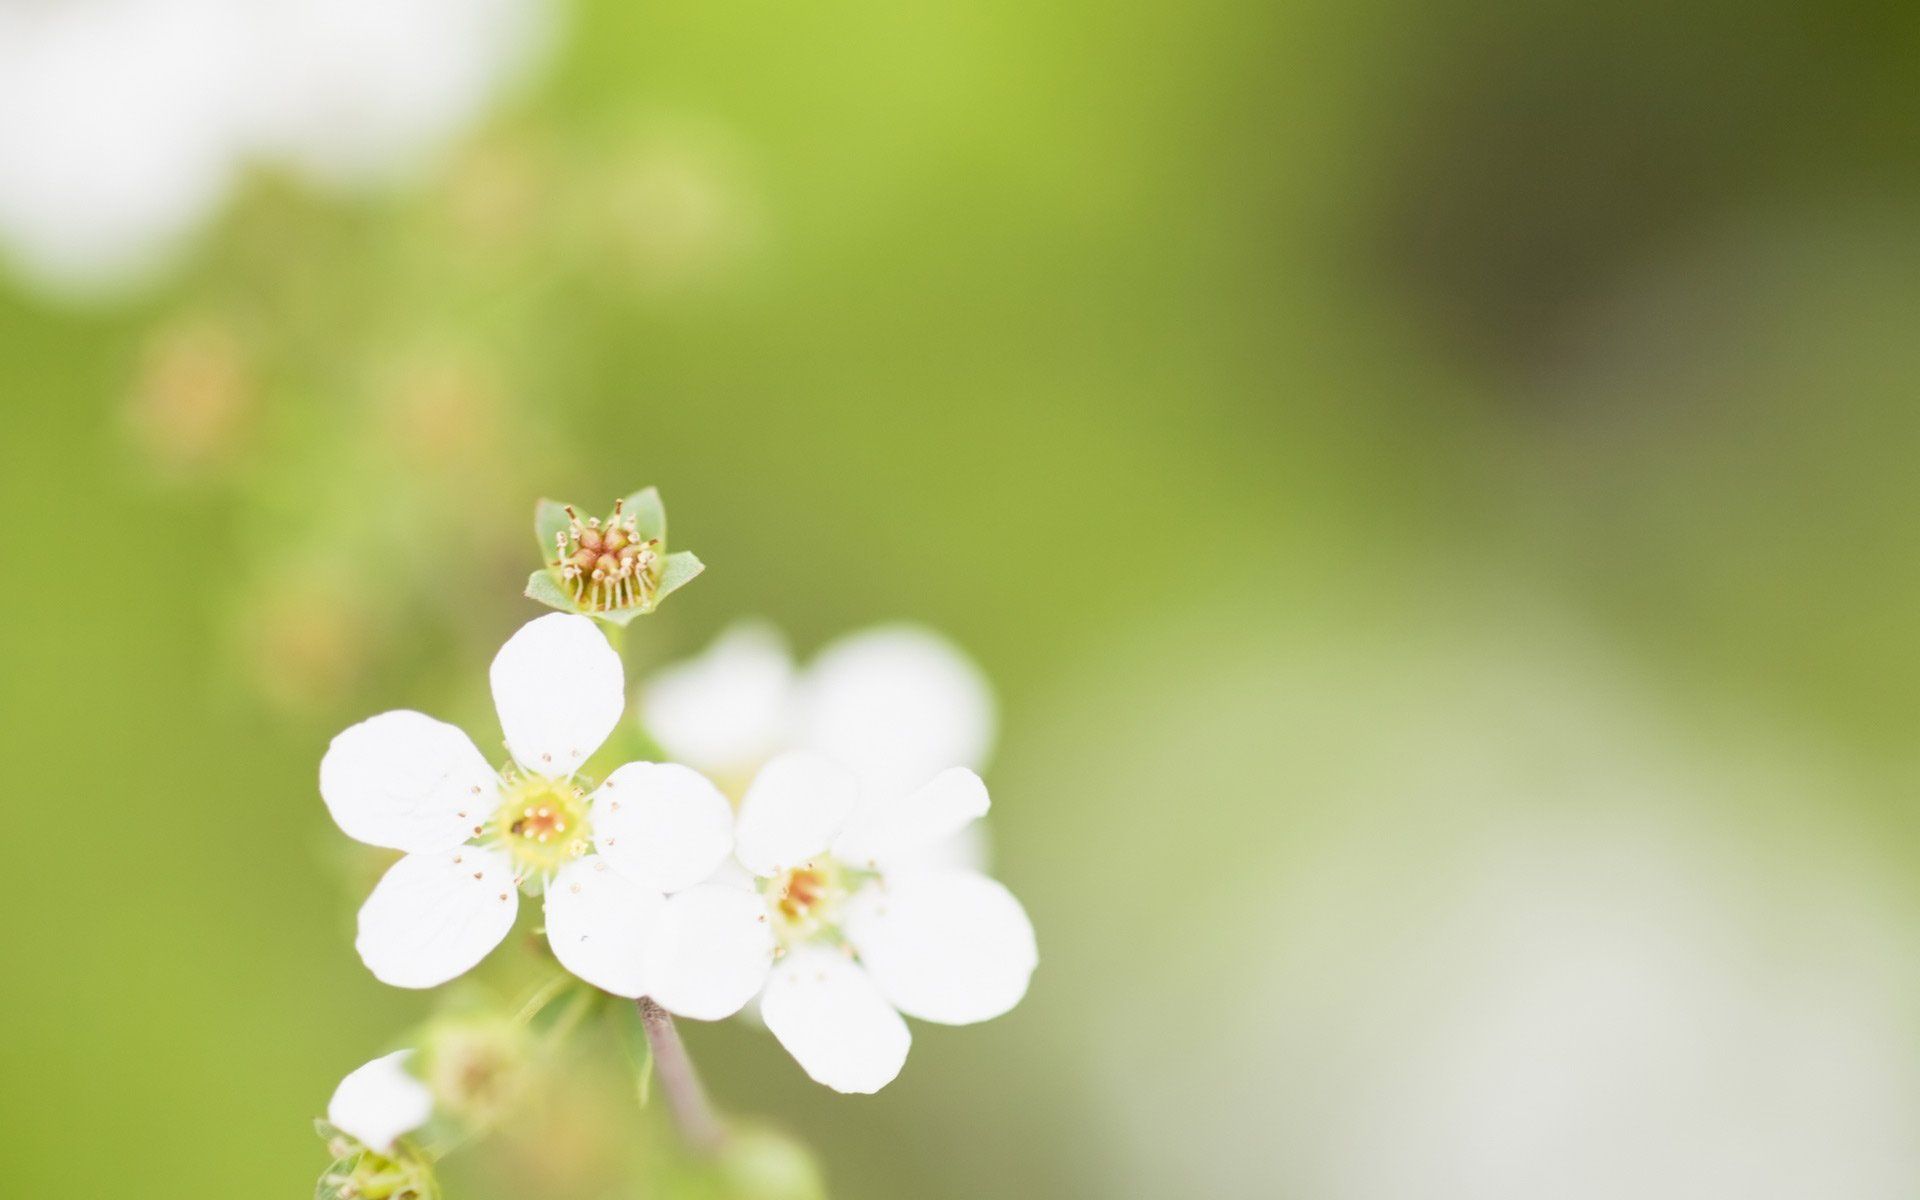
(605, 564)
(541, 824)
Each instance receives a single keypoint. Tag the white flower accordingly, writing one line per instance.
(352, 93)
(895, 704)
(123, 123)
(116, 133)
(604, 859)
(867, 929)
(379, 1102)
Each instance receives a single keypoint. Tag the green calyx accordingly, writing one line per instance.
(359, 1172)
(613, 568)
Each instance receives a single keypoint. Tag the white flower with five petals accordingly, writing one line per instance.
(867, 928)
(605, 859)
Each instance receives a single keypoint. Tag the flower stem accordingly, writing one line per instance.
(685, 1097)
(542, 996)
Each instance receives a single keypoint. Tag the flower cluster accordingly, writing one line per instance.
(812, 857)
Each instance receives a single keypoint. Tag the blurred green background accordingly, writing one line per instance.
(1433, 488)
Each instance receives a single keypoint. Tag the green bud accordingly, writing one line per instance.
(477, 1065)
(753, 1163)
(760, 1164)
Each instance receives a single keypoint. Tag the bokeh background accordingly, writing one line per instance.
(1433, 488)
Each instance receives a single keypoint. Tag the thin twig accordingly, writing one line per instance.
(685, 1097)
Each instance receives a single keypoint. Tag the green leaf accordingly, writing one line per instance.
(549, 517)
(542, 586)
(648, 513)
(679, 570)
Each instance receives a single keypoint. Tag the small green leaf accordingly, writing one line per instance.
(648, 513)
(549, 517)
(679, 570)
(542, 586)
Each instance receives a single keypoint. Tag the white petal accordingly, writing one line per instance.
(834, 1021)
(968, 850)
(601, 925)
(896, 704)
(434, 915)
(731, 874)
(559, 690)
(715, 952)
(663, 824)
(406, 781)
(727, 710)
(947, 946)
(379, 1102)
(894, 830)
(797, 805)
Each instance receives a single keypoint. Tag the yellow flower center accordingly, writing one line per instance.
(542, 823)
(805, 900)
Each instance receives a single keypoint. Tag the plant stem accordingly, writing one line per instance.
(542, 996)
(685, 1097)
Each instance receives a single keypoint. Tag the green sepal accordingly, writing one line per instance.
(648, 513)
(366, 1174)
(542, 586)
(339, 1174)
(678, 571)
(619, 616)
(549, 518)
(650, 523)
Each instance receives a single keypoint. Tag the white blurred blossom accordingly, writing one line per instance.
(357, 92)
(124, 123)
(895, 704)
(117, 132)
